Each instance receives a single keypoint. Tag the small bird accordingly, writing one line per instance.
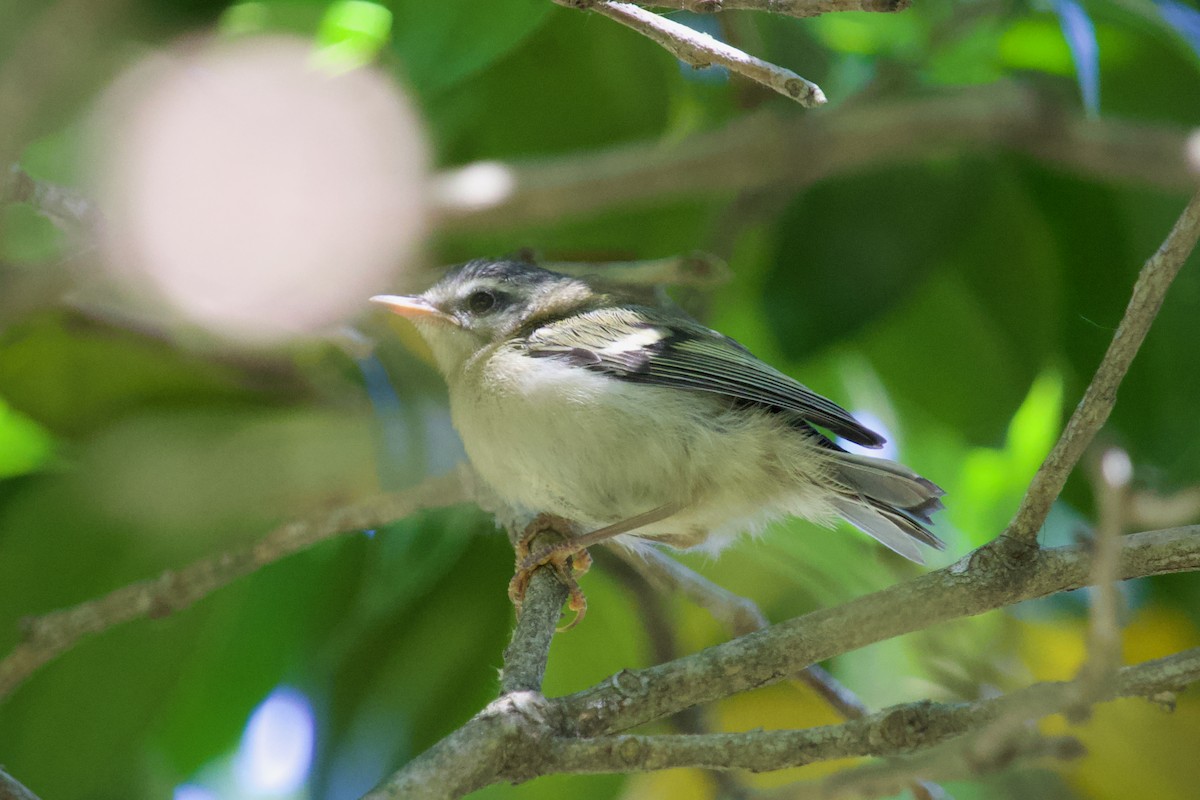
(617, 418)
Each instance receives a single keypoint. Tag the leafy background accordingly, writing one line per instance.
(962, 301)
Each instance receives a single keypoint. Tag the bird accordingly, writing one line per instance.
(602, 414)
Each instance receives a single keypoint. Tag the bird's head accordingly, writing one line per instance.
(484, 303)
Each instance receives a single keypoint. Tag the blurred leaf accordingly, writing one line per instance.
(240, 19)
(607, 85)
(123, 677)
(896, 35)
(259, 633)
(351, 34)
(24, 445)
(850, 249)
(1035, 43)
(994, 480)
(72, 376)
(28, 237)
(443, 43)
(424, 667)
(973, 56)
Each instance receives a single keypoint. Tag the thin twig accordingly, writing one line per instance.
(701, 50)
(741, 616)
(951, 761)
(1104, 622)
(784, 8)
(49, 636)
(1097, 403)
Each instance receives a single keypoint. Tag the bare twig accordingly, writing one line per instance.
(701, 50)
(49, 636)
(770, 150)
(12, 789)
(741, 616)
(1093, 410)
(951, 761)
(785, 8)
(1104, 624)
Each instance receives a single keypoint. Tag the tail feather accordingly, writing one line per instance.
(888, 502)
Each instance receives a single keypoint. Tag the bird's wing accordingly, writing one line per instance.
(644, 345)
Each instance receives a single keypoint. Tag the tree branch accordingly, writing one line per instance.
(701, 50)
(1097, 403)
(771, 150)
(49, 636)
(981, 581)
(521, 737)
(897, 730)
(527, 652)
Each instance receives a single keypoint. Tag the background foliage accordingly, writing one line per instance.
(962, 301)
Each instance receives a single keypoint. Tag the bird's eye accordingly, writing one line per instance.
(481, 302)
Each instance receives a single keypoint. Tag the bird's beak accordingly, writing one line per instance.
(411, 306)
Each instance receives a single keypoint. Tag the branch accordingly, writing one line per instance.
(771, 150)
(521, 737)
(784, 8)
(49, 636)
(526, 655)
(951, 761)
(701, 50)
(1104, 622)
(984, 580)
(1097, 403)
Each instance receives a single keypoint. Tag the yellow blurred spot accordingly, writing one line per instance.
(1134, 748)
(784, 706)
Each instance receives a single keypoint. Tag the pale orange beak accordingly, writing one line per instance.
(411, 306)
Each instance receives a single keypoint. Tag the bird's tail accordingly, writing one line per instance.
(888, 502)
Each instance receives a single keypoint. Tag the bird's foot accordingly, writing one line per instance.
(567, 562)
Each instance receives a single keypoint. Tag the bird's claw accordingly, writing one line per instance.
(566, 563)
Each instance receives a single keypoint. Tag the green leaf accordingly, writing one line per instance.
(25, 446)
(850, 249)
(994, 480)
(351, 34)
(72, 376)
(440, 44)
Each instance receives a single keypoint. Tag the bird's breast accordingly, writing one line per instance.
(548, 436)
